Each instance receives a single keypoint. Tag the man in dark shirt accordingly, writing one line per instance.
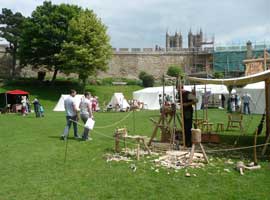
(189, 99)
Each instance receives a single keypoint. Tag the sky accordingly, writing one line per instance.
(143, 23)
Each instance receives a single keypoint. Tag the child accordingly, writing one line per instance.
(41, 109)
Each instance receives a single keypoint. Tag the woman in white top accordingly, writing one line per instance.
(86, 112)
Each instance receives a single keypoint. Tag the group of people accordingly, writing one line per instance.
(73, 114)
(236, 103)
(168, 100)
(26, 107)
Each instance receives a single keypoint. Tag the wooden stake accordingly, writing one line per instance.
(138, 151)
(117, 141)
(255, 148)
(182, 112)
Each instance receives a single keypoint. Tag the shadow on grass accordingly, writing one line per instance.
(59, 138)
(43, 90)
(230, 147)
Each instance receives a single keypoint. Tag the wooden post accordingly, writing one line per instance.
(117, 141)
(182, 112)
(267, 106)
(255, 148)
(138, 151)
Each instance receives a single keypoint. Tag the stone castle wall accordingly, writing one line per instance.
(124, 63)
(129, 65)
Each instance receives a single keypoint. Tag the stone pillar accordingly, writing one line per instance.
(167, 41)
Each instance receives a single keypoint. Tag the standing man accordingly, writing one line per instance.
(71, 114)
(246, 100)
(36, 107)
(189, 99)
(223, 99)
(86, 112)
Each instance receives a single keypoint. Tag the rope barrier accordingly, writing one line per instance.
(110, 137)
(237, 148)
(208, 151)
(111, 125)
(99, 133)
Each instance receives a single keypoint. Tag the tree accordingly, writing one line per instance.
(87, 49)
(175, 71)
(44, 34)
(10, 29)
(218, 75)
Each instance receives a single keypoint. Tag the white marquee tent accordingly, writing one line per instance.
(118, 98)
(150, 96)
(257, 94)
(60, 104)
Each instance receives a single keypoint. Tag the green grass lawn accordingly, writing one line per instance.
(32, 161)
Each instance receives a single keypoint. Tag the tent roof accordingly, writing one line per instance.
(214, 88)
(18, 92)
(155, 89)
(262, 76)
(259, 85)
(60, 104)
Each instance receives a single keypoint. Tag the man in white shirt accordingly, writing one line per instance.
(71, 114)
(86, 112)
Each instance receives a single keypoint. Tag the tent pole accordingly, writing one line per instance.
(196, 113)
(6, 99)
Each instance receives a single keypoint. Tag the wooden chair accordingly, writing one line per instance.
(235, 121)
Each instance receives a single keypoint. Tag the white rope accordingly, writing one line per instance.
(113, 124)
(237, 148)
(99, 133)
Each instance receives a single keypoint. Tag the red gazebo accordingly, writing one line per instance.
(12, 97)
(17, 92)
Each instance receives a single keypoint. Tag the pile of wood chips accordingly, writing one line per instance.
(116, 157)
(179, 160)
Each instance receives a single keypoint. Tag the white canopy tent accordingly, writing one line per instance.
(257, 94)
(60, 104)
(255, 78)
(118, 99)
(150, 96)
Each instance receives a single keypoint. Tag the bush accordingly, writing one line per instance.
(175, 71)
(142, 74)
(133, 82)
(147, 79)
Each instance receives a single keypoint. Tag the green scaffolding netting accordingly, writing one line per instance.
(232, 61)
